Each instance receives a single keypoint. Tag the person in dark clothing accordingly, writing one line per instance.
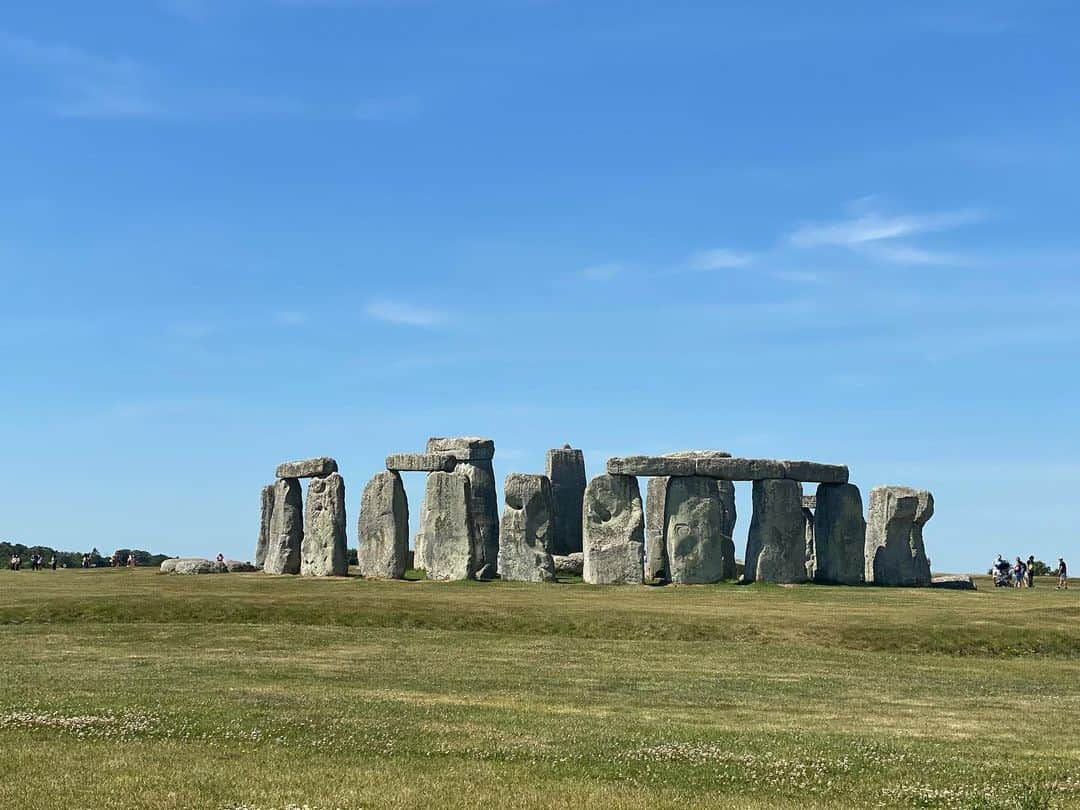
(1063, 575)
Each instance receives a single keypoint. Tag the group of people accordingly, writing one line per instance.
(37, 562)
(1021, 574)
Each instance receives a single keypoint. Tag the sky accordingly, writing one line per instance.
(239, 232)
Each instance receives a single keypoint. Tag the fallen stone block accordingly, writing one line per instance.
(169, 566)
(569, 564)
(953, 582)
(308, 468)
(195, 565)
(240, 567)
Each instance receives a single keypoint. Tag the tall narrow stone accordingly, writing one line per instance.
(525, 534)
(324, 552)
(839, 535)
(266, 515)
(776, 546)
(383, 529)
(656, 558)
(566, 471)
(613, 531)
(694, 532)
(474, 455)
(894, 551)
(286, 529)
(728, 517)
(811, 548)
(449, 542)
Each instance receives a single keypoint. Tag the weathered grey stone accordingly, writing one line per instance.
(811, 471)
(894, 552)
(420, 462)
(484, 510)
(953, 582)
(308, 468)
(169, 566)
(324, 551)
(486, 572)
(656, 559)
(286, 529)
(839, 535)
(383, 530)
(694, 532)
(449, 536)
(419, 554)
(525, 534)
(265, 518)
(716, 464)
(569, 564)
(811, 551)
(657, 563)
(196, 565)
(776, 546)
(566, 472)
(463, 448)
(613, 531)
(239, 567)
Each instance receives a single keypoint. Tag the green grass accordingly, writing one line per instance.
(128, 689)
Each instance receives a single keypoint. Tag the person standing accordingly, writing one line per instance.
(1031, 571)
(1018, 573)
(1063, 575)
(52, 563)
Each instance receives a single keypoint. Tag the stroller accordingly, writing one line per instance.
(1002, 573)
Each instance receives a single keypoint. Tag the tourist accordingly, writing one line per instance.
(14, 559)
(1063, 574)
(52, 564)
(221, 558)
(1031, 571)
(131, 561)
(1018, 573)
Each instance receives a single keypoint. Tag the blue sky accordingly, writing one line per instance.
(236, 232)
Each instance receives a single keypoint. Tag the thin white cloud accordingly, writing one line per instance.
(907, 254)
(719, 259)
(873, 227)
(602, 272)
(84, 85)
(399, 312)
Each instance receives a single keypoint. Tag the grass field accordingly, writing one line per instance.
(129, 689)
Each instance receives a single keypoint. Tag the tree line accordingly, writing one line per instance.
(74, 559)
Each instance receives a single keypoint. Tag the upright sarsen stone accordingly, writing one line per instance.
(383, 529)
(449, 537)
(656, 558)
(894, 551)
(839, 535)
(776, 546)
(473, 455)
(613, 531)
(658, 564)
(525, 534)
(286, 529)
(694, 532)
(566, 472)
(265, 517)
(324, 552)
(728, 517)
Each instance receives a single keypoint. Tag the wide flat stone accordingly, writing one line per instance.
(307, 468)
(815, 473)
(954, 582)
(713, 464)
(463, 448)
(739, 469)
(420, 462)
(569, 564)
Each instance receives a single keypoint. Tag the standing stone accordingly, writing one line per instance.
(894, 549)
(265, 518)
(324, 552)
(613, 531)
(286, 529)
(811, 549)
(449, 536)
(656, 558)
(474, 455)
(383, 530)
(839, 535)
(419, 546)
(728, 517)
(525, 534)
(776, 546)
(694, 532)
(566, 471)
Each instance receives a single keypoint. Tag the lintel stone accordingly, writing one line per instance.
(420, 462)
(308, 468)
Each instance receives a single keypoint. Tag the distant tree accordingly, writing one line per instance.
(354, 558)
(1040, 569)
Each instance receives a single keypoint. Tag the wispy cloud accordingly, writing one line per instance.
(84, 85)
(719, 259)
(399, 312)
(603, 272)
(873, 227)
